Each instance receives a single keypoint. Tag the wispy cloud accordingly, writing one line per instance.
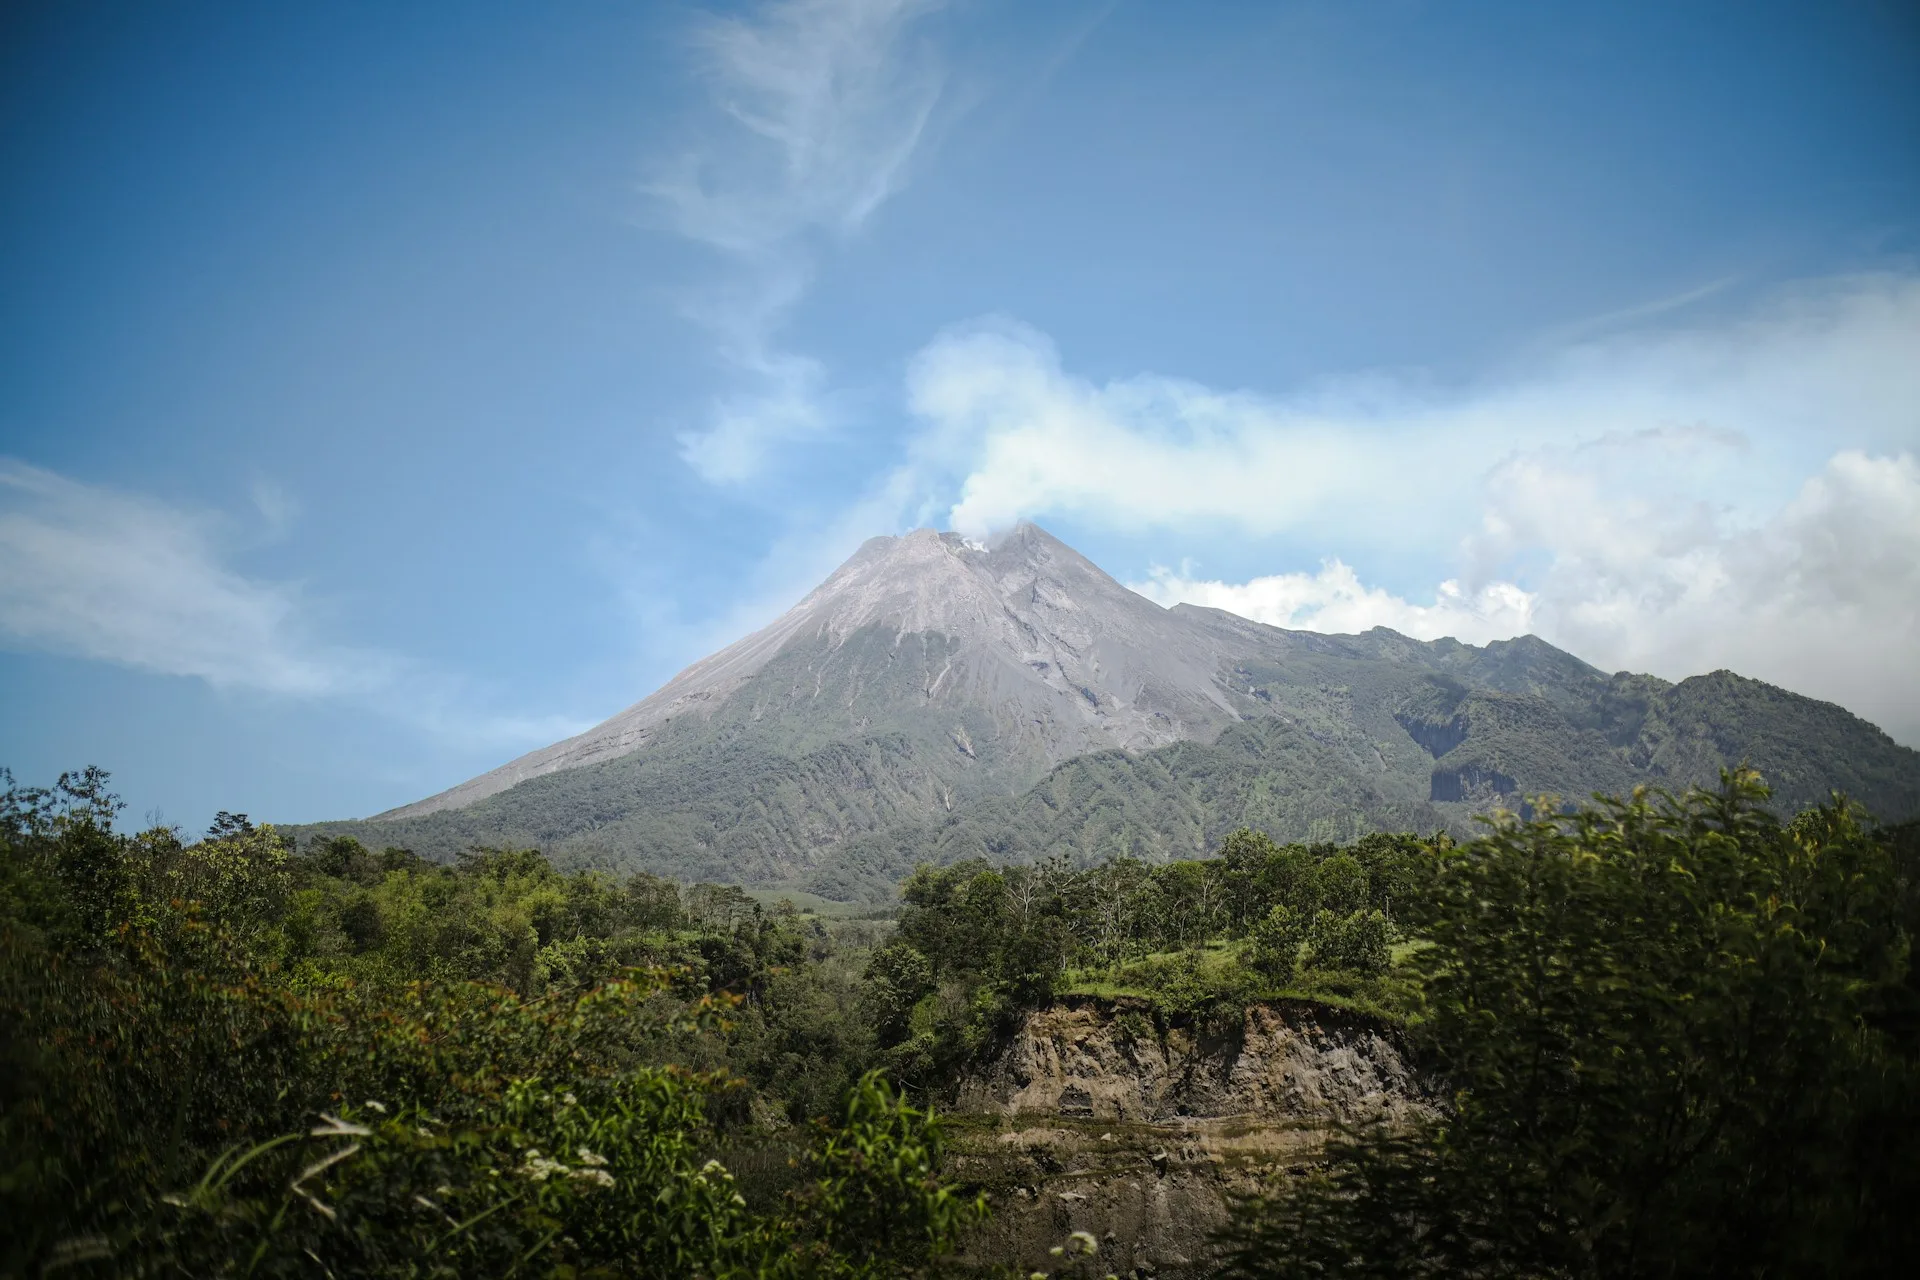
(816, 110)
(1674, 499)
(1639, 313)
(108, 575)
(278, 509)
(96, 573)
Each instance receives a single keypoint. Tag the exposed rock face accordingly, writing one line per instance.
(1151, 1195)
(1471, 783)
(1093, 1120)
(1295, 1062)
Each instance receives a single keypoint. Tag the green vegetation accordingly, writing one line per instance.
(1681, 1039)
(977, 944)
(221, 1058)
(1675, 1036)
(1359, 756)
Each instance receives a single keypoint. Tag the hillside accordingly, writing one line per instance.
(1297, 784)
(938, 699)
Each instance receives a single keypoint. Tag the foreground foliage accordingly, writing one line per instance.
(189, 1089)
(1676, 1037)
(1681, 1041)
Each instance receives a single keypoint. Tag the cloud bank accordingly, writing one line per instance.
(1823, 368)
(1334, 600)
(1823, 597)
(95, 573)
(816, 109)
(1743, 494)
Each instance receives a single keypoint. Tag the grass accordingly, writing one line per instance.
(1401, 952)
(1133, 977)
(1177, 982)
(812, 904)
(1389, 997)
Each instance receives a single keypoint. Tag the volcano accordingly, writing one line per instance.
(941, 698)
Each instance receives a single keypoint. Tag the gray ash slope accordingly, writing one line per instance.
(1026, 646)
(936, 699)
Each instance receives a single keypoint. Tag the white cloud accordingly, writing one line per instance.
(1335, 601)
(1032, 440)
(1742, 494)
(1825, 368)
(1822, 597)
(94, 573)
(818, 108)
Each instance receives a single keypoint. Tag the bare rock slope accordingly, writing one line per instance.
(1064, 659)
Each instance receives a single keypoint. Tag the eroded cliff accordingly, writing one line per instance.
(1098, 1117)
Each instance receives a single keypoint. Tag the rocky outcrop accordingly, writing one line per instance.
(1292, 1061)
(1095, 1117)
(1437, 736)
(1152, 1195)
(1472, 784)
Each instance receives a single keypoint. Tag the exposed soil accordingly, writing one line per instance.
(1094, 1118)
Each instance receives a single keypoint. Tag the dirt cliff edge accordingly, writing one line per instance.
(1098, 1116)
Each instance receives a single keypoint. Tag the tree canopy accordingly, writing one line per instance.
(1679, 1039)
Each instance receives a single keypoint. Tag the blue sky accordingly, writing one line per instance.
(387, 390)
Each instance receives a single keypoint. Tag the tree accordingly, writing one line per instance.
(1187, 901)
(1340, 885)
(1116, 894)
(1276, 944)
(192, 1082)
(1244, 854)
(1288, 876)
(1664, 1023)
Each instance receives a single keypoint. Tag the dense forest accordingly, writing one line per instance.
(1675, 1035)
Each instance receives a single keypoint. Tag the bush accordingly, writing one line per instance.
(221, 1086)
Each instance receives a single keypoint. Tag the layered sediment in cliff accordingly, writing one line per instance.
(1097, 1117)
